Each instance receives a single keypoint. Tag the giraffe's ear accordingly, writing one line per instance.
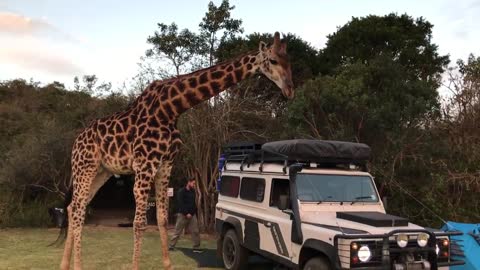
(263, 46)
(283, 46)
(276, 40)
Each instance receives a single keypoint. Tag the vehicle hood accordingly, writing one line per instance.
(355, 222)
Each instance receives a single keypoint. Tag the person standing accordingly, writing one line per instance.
(187, 216)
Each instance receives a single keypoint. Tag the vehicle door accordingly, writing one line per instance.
(278, 228)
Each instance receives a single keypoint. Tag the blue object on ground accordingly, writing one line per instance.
(465, 247)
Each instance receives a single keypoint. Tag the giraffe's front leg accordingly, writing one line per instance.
(161, 186)
(141, 190)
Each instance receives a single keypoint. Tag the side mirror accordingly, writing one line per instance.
(283, 202)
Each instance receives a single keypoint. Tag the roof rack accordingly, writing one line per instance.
(249, 153)
(325, 154)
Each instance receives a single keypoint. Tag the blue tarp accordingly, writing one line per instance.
(469, 244)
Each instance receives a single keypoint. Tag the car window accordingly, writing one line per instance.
(279, 187)
(335, 188)
(229, 186)
(252, 189)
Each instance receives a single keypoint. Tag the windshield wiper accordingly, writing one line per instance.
(360, 198)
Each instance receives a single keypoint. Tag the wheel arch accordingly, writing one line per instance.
(235, 224)
(313, 247)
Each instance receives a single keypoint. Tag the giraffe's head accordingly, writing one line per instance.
(276, 65)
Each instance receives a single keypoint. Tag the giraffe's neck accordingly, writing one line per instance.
(182, 93)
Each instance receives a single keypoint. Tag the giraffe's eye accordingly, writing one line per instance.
(273, 62)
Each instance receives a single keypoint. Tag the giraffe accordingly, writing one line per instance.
(143, 140)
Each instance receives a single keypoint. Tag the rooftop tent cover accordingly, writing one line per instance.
(469, 244)
(319, 150)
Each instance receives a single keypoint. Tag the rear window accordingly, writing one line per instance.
(252, 189)
(229, 186)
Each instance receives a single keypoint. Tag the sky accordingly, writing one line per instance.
(55, 40)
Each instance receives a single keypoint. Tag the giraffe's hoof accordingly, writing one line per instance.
(64, 265)
(167, 265)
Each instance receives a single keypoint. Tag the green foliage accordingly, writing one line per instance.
(32, 213)
(187, 50)
(178, 47)
(401, 38)
(89, 85)
(361, 98)
(39, 125)
(470, 69)
(218, 20)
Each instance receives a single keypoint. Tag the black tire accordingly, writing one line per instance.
(234, 256)
(317, 263)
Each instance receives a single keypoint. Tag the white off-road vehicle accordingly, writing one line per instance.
(310, 204)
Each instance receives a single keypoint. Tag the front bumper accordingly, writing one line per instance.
(386, 254)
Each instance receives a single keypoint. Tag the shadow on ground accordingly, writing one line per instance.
(209, 259)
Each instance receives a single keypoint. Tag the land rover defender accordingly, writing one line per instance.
(311, 204)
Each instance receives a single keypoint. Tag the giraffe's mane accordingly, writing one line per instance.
(179, 77)
(207, 68)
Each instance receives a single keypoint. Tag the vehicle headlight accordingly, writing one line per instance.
(422, 239)
(442, 248)
(402, 240)
(364, 254)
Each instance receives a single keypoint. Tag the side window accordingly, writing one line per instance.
(229, 186)
(279, 187)
(252, 189)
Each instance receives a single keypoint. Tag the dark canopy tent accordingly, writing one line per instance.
(319, 150)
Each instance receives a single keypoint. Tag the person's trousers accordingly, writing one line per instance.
(182, 223)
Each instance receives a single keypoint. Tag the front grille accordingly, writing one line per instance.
(385, 251)
(395, 252)
(418, 253)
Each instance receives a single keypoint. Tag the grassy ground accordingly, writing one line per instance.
(103, 248)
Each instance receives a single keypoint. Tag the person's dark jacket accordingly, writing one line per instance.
(186, 201)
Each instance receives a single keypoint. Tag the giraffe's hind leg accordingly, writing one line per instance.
(102, 176)
(161, 185)
(82, 195)
(67, 251)
(141, 189)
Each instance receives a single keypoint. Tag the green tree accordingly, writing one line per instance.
(400, 38)
(178, 47)
(217, 27)
(186, 50)
(441, 166)
(91, 86)
(383, 75)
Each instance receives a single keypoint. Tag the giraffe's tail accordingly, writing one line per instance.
(64, 227)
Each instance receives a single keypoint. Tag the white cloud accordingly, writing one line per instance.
(37, 57)
(17, 25)
(34, 48)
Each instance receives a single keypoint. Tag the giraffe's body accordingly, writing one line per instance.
(144, 140)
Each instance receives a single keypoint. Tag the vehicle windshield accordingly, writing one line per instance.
(335, 188)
